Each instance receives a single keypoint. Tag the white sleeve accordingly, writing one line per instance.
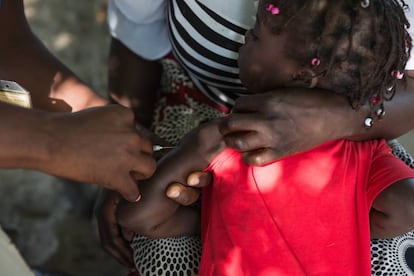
(141, 26)
(410, 16)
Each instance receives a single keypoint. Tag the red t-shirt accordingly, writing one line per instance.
(307, 214)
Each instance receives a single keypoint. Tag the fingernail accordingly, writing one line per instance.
(193, 181)
(173, 193)
(138, 198)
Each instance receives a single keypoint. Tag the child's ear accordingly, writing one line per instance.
(304, 78)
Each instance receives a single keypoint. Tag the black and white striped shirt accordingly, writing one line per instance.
(207, 44)
(204, 35)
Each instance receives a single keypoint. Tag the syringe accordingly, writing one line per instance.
(159, 147)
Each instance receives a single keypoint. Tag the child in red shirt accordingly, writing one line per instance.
(307, 213)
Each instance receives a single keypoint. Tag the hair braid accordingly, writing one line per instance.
(361, 49)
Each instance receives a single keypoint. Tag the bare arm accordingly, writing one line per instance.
(268, 126)
(133, 81)
(392, 213)
(157, 216)
(24, 59)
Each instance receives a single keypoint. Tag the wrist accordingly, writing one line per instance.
(348, 122)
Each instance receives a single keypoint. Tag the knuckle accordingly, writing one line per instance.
(258, 160)
(227, 124)
(133, 141)
(184, 200)
(150, 167)
(241, 144)
(255, 159)
(231, 123)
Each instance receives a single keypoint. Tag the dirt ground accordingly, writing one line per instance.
(75, 31)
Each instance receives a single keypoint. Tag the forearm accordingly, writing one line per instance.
(24, 138)
(133, 81)
(185, 221)
(24, 59)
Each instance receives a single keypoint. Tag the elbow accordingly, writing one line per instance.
(141, 225)
(408, 217)
(138, 220)
(388, 227)
(393, 214)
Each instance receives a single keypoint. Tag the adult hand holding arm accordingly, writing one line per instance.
(112, 240)
(268, 126)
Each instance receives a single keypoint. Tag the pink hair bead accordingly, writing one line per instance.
(315, 62)
(375, 99)
(272, 9)
(398, 74)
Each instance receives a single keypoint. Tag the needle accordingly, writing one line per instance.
(158, 148)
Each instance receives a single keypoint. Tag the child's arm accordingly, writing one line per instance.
(392, 212)
(157, 216)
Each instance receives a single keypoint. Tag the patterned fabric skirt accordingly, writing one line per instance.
(180, 109)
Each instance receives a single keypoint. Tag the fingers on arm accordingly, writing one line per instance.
(251, 103)
(109, 231)
(237, 122)
(199, 179)
(140, 164)
(116, 246)
(242, 132)
(190, 193)
(260, 157)
(253, 138)
(181, 194)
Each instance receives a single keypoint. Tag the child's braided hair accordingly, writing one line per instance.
(361, 46)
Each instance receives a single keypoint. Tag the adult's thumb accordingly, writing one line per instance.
(130, 191)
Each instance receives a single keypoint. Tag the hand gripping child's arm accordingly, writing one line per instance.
(157, 216)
